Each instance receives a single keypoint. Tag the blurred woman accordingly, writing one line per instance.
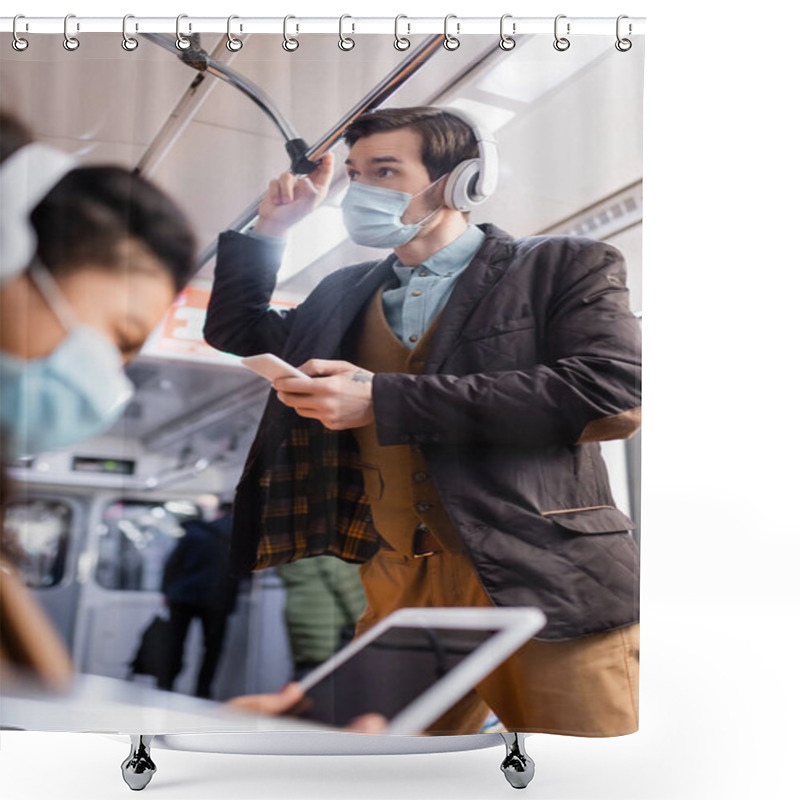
(111, 252)
(90, 260)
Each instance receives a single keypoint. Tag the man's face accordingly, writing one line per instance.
(393, 160)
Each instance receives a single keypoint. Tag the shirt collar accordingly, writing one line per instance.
(452, 258)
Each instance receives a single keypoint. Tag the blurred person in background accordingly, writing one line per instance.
(197, 585)
(324, 600)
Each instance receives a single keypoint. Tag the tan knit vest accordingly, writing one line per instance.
(400, 489)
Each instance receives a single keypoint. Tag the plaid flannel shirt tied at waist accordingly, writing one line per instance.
(312, 499)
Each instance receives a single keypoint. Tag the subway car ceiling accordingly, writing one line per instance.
(195, 411)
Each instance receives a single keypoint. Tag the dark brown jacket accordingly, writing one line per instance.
(535, 360)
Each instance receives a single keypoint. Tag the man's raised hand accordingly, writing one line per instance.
(289, 198)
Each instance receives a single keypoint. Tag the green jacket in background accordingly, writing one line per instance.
(323, 595)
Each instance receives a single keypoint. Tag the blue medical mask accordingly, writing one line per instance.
(72, 394)
(373, 214)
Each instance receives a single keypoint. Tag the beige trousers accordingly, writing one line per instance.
(580, 687)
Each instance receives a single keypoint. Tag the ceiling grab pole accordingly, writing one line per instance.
(185, 110)
(387, 87)
(304, 159)
(195, 57)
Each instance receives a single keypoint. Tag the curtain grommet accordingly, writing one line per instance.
(561, 43)
(70, 43)
(346, 43)
(623, 44)
(129, 43)
(507, 42)
(450, 42)
(18, 43)
(289, 44)
(401, 42)
(181, 42)
(233, 44)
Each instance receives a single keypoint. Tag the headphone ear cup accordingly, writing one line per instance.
(457, 193)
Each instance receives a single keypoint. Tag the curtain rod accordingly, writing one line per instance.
(348, 25)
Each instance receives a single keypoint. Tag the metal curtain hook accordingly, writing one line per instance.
(623, 45)
(70, 42)
(451, 42)
(400, 42)
(18, 43)
(561, 43)
(233, 44)
(181, 42)
(506, 42)
(345, 42)
(128, 42)
(289, 44)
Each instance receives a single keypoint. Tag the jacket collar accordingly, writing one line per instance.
(345, 302)
(485, 269)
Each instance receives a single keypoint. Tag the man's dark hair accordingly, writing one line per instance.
(91, 211)
(446, 138)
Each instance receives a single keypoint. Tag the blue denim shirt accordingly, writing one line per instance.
(411, 307)
(424, 289)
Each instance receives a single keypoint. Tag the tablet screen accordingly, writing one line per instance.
(389, 673)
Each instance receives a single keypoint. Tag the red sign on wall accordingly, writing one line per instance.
(181, 332)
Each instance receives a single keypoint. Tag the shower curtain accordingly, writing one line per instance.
(493, 458)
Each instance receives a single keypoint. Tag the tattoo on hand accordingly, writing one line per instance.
(362, 376)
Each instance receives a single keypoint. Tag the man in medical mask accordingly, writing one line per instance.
(449, 437)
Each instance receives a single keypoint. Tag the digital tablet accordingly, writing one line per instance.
(415, 665)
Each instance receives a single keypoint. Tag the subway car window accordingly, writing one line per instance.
(42, 529)
(136, 539)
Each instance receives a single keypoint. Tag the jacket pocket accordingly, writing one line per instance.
(591, 519)
(499, 328)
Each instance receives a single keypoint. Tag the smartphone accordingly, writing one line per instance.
(269, 366)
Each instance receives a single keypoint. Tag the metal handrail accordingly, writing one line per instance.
(304, 159)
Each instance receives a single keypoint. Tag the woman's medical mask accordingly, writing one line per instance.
(72, 394)
(373, 215)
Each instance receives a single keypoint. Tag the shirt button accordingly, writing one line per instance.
(423, 274)
(416, 293)
(413, 337)
(419, 477)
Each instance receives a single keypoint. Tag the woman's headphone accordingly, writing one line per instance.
(26, 176)
(473, 181)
